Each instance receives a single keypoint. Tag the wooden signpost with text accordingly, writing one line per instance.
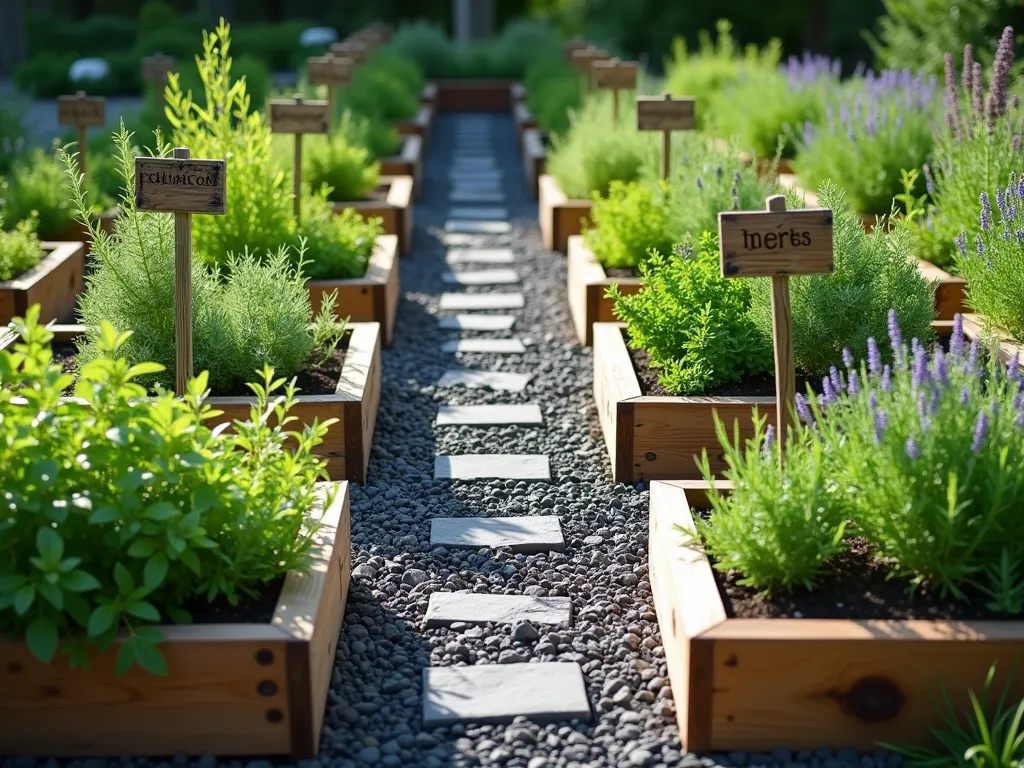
(777, 243)
(82, 112)
(155, 69)
(665, 114)
(356, 50)
(583, 58)
(297, 116)
(576, 44)
(181, 186)
(615, 76)
(332, 71)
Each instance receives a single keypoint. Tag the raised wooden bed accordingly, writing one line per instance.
(535, 159)
(657, 438)
(370, 298)
(587, 284)
(559, 216)
(764, 164)
(474, 95)
(419, 125)
(392, 203)
(54, 283)
(231, 689)
(974, 328)
(758, 684)
(408, 162)
(355, 401)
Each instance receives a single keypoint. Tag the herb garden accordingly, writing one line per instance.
(533, 384)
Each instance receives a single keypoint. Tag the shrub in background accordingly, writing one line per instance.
(552, 93)
(346, 168)
(20, 249)
(378, 92)
(874, 128)
(426, 45)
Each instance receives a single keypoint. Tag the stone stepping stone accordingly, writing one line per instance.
(477, 323)
(492, 466)
(473, 159)
(529, 535)
(471, 301)
(471, 227)
(484, 346)
(480, 256)
(446, 608)
(499, 381)
(462, 195)
(547, 692)
(475, 174)
(477, 185)
(478, 212)
(488, 415)
(481, 277)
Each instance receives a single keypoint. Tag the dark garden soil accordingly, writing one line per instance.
(66, 356)
(257, 609)
(621, 272)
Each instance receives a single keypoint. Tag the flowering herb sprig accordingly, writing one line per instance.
(874, 127)
(920, 458)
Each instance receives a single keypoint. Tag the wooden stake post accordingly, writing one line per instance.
(777, 243)
(181, 186)
(299, 117)
(82, 112)
(155, 69)
(332, 71)
(665, 114)
(615, 76)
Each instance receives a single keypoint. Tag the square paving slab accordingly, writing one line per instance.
(471, 301)
(499, 212)
(480, 256)
(492, 466)
(481, 277)
(488, 415)
(478, 227)
(448, 607)
(495, 380)
(484, 346)
(498, 693)
(520, 534)
(472, 160)
(477, 323)
(464, 195)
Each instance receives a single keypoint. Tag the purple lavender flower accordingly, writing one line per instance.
(895, 337)
(965, 395)
(941, 368)
(1001, 66)
(929, 182)
(980, 429)
(965, 76)
(912, 452)
(980, 247)
(853, 386)
(919, 374)
(769, 441)
(886, 378)
(1019, 421)
(1000, 202)
(972, 356)
(986, 212)
(881, 420)
(956, 339)
(803, 410)
(808, 132)
(872, 400)
(922, 411)
(1020, 188)
(951, 100)
(874, 357)
(847, 357)
(833, 375)
(828, 391)
(1013, 367)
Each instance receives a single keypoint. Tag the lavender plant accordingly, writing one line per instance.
(875, 126)
(976, 148)
(993, 261)
(922, 457)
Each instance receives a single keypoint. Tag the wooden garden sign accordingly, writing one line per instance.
(297, 116)
(82, 112)
(576, 44)
(615, 76)
(351, 49)
(583, 58)
(777, 243)
(665, 114)
(155, 69)
(332, 71)
(181, 186)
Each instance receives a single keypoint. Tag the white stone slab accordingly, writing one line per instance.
(471, 227)
(472, 160)
(492, 466)
(472, 301)
(499, 381)
(488, 415)
(446, 608)
(475, 174)
(474, 195)
(477, 323)
(483, 346)
(498, 212)
(480, 256)
(541, 533)
(481, 277)
(472, 152)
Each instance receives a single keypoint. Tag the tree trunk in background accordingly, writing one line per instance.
(817, 39)
(473, 19)
(13, 42)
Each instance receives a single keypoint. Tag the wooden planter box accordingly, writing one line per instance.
(419, 125)
(54, 283)
(474, 95)
(559, 216)
(355, 401)
(658, 438)
(758, 684)
(764, 164)
(231, 689)
(392, 203)
(408, 162)
(370, 298)
(77, 233)
(974, 328)
(587, 283)
(535, 159)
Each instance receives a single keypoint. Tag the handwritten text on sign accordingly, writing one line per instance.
(290, 116)
(82, 111)
(329, 70)
(615, 75)
(661, 114)
(770, 243)
(182, 186)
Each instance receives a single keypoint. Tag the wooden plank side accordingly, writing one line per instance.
(615, 388)
(949, 289)
(534, 157)
(54, 283)
(587, 286)
(359, 388)
(399, 198)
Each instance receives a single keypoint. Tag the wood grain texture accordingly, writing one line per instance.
(770, 243)
(665, 113)
(299, 115)
(418, 126)
(395, 211)
(82, 111)
(560, 217)
(615, 75)
(180, 185)
(355, 50)
(586, 287)
(232, 689)
(182, 284)
(54, 283)
(583, 58)
(329, 70)
(408, 162)
(949, 289)
(615, 389)
(474, 95)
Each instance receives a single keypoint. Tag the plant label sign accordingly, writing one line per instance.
(665, 114)
(583, 58)
(298, 116)
(329, 70)
(615, 75)
(777, 243)
(156, 67)
(351, 49)
(181, 186)
(576, 44)
(81, 111)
